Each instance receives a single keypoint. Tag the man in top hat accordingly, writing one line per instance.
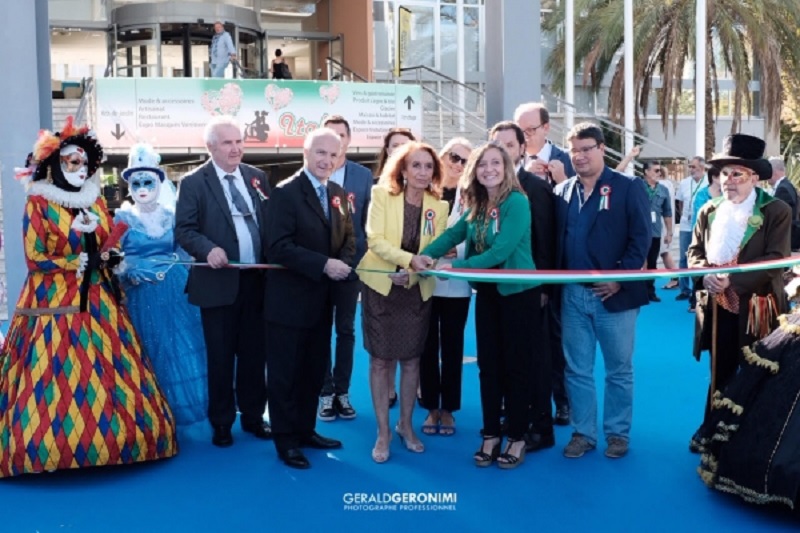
(743, 225)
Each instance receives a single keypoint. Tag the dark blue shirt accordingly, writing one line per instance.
(579, 221)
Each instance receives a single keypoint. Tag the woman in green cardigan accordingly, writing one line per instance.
(496, 226)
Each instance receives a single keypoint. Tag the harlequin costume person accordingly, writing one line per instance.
(743, 225)
(75, 390)
(170, 329)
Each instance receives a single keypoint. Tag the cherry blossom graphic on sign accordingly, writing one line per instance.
(329, 93)
(226, 101)
(278, 98)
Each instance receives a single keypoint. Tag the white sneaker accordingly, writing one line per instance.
(326, 411)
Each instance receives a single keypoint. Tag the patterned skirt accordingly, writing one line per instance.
(75, 391)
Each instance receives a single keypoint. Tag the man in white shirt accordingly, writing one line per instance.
(542, 158)
(684, 200)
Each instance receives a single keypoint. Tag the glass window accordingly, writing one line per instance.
(472, 40)
(448, 35)
(421, 50)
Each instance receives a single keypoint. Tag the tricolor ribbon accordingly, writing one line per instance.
(351, 203)
(337, 203)
(556, 277)
(605, 198)
(256, 183)
(428, 228)
(494, 214)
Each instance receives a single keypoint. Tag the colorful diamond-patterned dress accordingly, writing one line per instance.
(75, 390)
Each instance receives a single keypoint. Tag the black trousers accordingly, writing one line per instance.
(441, 384)
(729, 354)
(558, 362)
(296, 365)
(541, 370)
(344, 295)
(237, 354)
(652, 262)
(505, 344)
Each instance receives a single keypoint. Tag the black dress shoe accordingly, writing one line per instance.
(222, 437)
(562, 416)
(538, 441)
(318, 442)
(293, 457)
(259, 431)
(654, 298)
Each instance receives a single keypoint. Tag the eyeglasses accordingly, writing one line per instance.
(530, 131)
(456, 159)
(583, 150)
(736, 176)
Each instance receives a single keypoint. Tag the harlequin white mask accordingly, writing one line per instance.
(74, 165)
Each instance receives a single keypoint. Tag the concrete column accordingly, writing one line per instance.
(513, 56)
(26, 111)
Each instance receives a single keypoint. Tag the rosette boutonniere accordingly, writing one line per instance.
(755, 221)
(336, 202)
(494, 214)
(351, 203)
(428, 228)
(256, 183)
(605, 198)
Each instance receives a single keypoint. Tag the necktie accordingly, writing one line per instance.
(241, 205)
(323, 199)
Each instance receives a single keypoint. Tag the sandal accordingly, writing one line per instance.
(483, 459)
(412, 446)
(507, 460)
(431, 428)
(671, 284)
(447, 430)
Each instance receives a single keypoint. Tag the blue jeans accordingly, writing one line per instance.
(218, 71)
(685, 284)
(586, 322)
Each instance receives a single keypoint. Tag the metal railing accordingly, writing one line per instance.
(468, 97)
(339, 72)
(83, 105)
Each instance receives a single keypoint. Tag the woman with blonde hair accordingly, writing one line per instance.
(496, 226)
(405, 215)
(440, 381)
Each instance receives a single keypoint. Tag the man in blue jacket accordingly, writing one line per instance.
(357, 182)
(603, 223)
(221, 51)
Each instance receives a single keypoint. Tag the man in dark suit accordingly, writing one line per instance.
(540, 196)
(603, 223)
(311, 235)
(221, 218)
(357, 183)
(784, 190)
(542, 157)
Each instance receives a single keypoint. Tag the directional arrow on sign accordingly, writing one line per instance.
(118, 132)
(408, 101)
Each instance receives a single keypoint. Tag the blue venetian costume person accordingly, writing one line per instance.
(169, 327)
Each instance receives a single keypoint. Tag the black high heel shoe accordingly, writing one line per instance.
(483, 459)
(507, 460)
(393, 400)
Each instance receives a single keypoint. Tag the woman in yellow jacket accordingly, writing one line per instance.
(405, 215)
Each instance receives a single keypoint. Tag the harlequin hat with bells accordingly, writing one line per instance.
(744, 151)
(53, 151)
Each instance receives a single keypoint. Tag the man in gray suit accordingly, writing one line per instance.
(221, 220)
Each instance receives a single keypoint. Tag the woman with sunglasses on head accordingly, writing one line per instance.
(496, 226)
(405, 215)
(394, 139)
(440, 384)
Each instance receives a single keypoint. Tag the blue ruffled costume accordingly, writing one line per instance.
(170, 328)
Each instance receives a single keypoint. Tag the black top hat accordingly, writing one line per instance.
(745, 151)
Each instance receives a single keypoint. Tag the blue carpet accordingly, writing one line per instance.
(245, 488)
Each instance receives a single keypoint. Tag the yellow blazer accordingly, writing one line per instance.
(385, 233)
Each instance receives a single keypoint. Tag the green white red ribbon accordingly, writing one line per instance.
(541, 277)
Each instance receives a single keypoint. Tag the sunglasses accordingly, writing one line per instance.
(455, 158)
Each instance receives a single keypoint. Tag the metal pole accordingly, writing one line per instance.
(629, 87)
(569, 64)
(700, 80)
(460, 60)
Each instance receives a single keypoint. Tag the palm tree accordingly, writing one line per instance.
(753, 39)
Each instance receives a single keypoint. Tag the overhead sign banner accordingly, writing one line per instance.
(172, 112)
(403, 39)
